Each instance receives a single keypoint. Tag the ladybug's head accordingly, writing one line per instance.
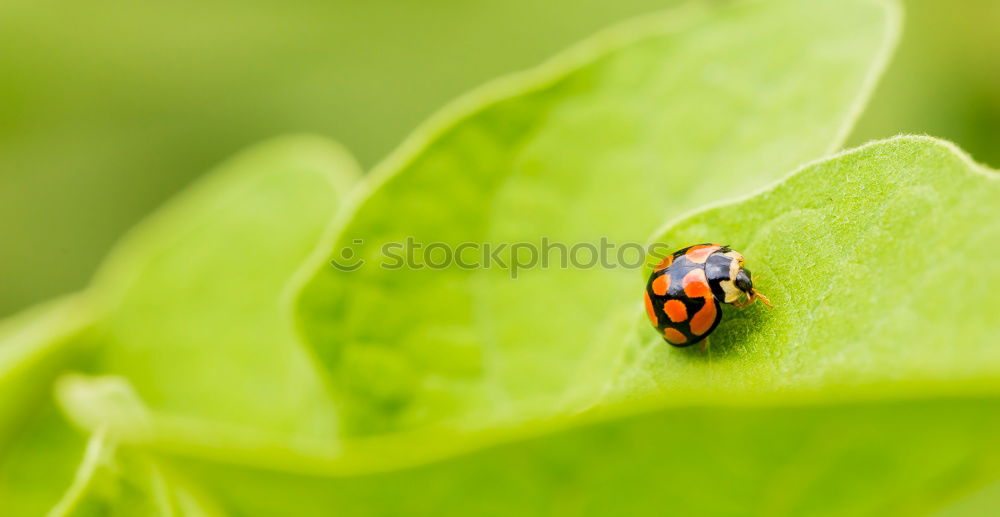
(744, 282)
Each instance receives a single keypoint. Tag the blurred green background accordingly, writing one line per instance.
(107, 108)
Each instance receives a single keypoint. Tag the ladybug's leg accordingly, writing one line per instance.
(750, 298)
(704, 345)
(755, 294)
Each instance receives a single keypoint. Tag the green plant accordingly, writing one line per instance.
(220, 365)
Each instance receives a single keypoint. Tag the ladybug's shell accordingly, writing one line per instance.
(684, 294)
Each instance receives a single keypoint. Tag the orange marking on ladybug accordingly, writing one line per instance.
(675, 336)
(704, 318)
(661, 284)
(650, 312)
(665, 263)
(699, 254)
(696, 284)
(676, 310)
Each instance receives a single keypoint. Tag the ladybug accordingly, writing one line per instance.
(685, 293)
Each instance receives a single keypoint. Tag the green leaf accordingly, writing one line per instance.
(850, 397)
(109, 481)
(880, 265)
(34, 346)
(607, 141)
(196, 312)
(38, 449)
(891, 457)
(52, 470)
(38, 461)
(191, 311)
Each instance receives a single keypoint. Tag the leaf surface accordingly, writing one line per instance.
(190, 313)
(821, 458)
(38, 448)
(196, 311)
(605, 142)
(879, 262)
(886, 415)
